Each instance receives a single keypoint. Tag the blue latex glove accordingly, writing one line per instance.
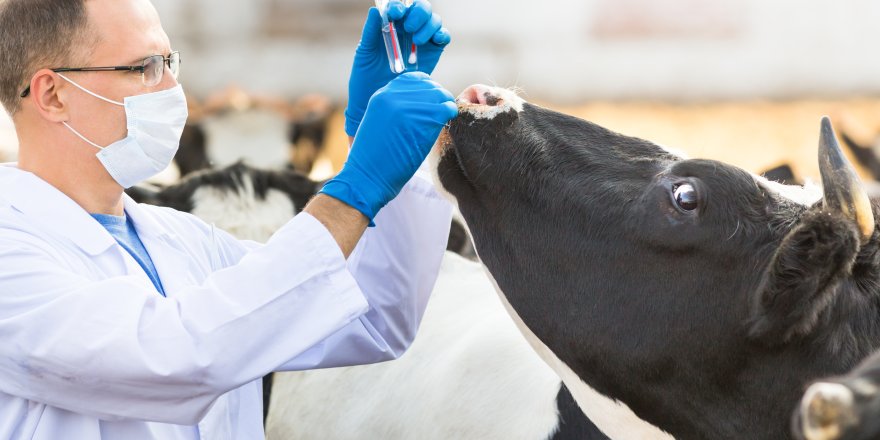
(402, 122)
(370, 70)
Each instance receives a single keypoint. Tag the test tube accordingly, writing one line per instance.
(395, 38)
(412, 61)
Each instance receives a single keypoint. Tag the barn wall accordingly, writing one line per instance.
(573, 51)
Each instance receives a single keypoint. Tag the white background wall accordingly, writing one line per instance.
(566, 51)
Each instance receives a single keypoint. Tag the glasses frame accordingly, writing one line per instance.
(142, 69)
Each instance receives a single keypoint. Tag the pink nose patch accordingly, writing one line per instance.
(479, 94)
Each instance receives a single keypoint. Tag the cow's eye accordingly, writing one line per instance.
(685, 196)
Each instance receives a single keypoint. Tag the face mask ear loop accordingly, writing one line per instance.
(90, 92)
(82, 137)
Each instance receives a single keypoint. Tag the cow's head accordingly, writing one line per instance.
(684, 288)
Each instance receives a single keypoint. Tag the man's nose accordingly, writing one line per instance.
(168, 80)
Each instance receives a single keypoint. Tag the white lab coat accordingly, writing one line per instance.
(90, 350)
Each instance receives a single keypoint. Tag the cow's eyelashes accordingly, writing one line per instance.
(685, 197)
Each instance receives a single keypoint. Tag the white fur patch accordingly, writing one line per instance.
(614, 418)
(240, 212)
(441, 147)
(509, 100)
(469, 374)
(805, 195)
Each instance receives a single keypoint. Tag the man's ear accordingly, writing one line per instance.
(803, 276)
(46, 97)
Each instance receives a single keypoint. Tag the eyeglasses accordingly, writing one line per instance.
(152, 69)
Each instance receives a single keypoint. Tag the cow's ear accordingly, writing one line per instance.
(803, 275)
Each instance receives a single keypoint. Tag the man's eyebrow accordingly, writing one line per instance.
(137, 61)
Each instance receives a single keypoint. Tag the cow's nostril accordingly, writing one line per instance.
(480, 95)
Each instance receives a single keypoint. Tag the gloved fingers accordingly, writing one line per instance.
(417, 16)
(415, 99)
(427, 31)
(412, 76)
(444, 94)
(419, 82)
(371, 37)
(441, 37)
(396, 10)
(448, 111)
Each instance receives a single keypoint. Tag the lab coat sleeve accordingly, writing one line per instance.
(396, 265)
(115, 349)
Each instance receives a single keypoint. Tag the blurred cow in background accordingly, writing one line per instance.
(866, 154)
(307, 130)
(278, 134)
(248, 202)
(782, 174)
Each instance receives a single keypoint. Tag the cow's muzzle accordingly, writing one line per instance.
(486, 102)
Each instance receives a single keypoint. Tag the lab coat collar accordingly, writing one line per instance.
(144, 222)
(44, 204)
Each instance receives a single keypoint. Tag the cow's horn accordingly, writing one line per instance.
(826, 411)
(841, 185)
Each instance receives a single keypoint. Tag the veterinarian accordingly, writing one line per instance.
(126, 321)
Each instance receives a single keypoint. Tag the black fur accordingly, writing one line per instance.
(192, 155)
(267, 395)
(572, 423)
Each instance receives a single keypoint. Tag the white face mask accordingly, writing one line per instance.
(155, 123)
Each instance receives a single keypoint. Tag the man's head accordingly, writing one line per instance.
(39, 35)
(35, 34)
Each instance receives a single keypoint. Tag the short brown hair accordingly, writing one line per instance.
(37, 34)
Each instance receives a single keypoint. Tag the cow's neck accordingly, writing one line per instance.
(614, 418)
(617, 420)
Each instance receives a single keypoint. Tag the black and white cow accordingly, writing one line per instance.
(291, 136)
(469, 374)
(700, 297)
(843, 408)
(253, 203)
(248, 202)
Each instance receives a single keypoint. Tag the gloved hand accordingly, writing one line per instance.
(370, 70)
(401, 124)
